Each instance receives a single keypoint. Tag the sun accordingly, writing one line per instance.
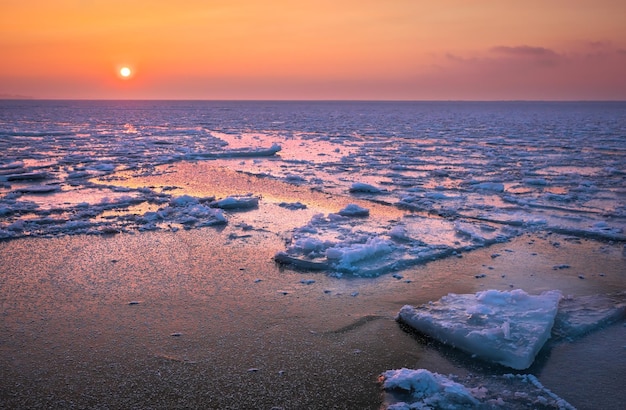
(125, 72)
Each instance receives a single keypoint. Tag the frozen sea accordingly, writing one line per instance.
(350, 191)
(464, 174)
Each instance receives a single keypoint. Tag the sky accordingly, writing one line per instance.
(314, 49)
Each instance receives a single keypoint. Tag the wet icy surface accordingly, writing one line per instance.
(462, 175)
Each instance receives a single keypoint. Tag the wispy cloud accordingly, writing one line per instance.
(539, 54)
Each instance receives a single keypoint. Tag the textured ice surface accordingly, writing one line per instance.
(505, 327)
(349, 242)
(422, 389)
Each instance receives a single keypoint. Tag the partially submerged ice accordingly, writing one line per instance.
(352, 242)
(579, 315)
(504, 327)
(421, 389)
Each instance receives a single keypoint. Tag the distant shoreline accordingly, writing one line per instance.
(16, 97)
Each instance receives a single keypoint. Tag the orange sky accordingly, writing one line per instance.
(314, 49)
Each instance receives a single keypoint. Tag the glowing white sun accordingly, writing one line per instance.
(125, 72)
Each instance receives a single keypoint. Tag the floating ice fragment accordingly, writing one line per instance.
(505, 327)
(489, 186)
(431, 389)
(28, 176)
(39, 189)
(535, 181)
(237, 202)
(184, 200)
(292, 205)
(354, 210)
(365, 188)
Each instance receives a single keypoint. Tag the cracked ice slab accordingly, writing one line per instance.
(504, 327)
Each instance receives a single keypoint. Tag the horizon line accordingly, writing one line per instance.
(28, 98)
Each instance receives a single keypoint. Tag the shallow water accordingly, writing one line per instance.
(251, 333)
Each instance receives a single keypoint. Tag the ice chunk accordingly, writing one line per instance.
(431, 389)
(348, 256)
(184, 200)
(366, 188)
(28, 176)
(505, 327)
(39, 189)
(293, 206)
(354, 210)
(237, 202)
(490, 186)
(422, 389)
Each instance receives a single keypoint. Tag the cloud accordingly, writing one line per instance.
(526, 51)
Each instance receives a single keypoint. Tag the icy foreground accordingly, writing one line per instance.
(421, 389)
(505, 327)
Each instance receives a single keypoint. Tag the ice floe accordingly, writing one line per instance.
(510, 327)
(348, 242)
(504, 327)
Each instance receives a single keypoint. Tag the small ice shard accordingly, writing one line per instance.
(354, 210)
(535, 181)
(365, 188)
(490, 186)
(39, 189)
(505, 327)
(292, 206)
(28, 176)
(237, 202)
